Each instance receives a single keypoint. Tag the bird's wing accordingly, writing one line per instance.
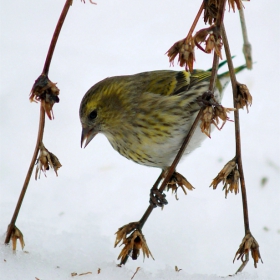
(164, 82)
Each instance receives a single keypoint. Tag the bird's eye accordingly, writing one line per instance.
(92, 115)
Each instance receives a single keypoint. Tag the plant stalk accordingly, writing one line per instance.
(41, 121)
(237, 142)
(28, 175)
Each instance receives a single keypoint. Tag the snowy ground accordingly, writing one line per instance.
(69, 221)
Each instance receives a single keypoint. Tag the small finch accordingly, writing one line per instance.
(147, 116)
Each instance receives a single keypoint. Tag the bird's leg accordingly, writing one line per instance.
(157, 198)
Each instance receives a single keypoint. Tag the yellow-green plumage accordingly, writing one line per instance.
(146, 116)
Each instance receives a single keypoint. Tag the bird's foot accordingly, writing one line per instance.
(157, 198)
(133, 241)
(177, 180)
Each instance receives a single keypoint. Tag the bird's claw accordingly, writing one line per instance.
(157, 198)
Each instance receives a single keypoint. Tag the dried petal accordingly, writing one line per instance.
(221, 112)
(210, 11)
(232, 3)
(177, 269)
(211, 37)
(206, 120)
(46, 160)
(137, 269)
(55, 163)
(90, 1)
(17, 234)
(232, 182)
(249, 243)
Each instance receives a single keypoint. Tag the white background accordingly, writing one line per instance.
(69, 221)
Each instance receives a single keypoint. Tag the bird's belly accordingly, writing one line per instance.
(162, 155)
(156, 151)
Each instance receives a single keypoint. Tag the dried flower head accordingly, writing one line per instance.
(249, 243)
(185, 49)
(17, 234)
(210, 11)
(211, 37)
(229, 175)
(124, 231)
(46, 160)
(133, 243)
(211, 115)
(177, 180)
(244, 98)
(46, 92)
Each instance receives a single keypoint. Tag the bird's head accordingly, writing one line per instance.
(101, 109)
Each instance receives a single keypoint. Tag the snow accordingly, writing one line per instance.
(69, 221)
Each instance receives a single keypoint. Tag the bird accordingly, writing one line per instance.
(146, 116)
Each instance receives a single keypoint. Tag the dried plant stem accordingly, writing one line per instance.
(28, 175)
(55, 36)
(219, 22)
(41, 121)
(173, 166)
(195, 21)
(171, 170)
(238, 139)
(244, 263)
(247, 49)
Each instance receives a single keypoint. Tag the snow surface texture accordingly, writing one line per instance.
(69, 221)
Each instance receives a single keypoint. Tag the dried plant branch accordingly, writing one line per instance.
(28, 175)
(237, 132)
(185, 47)
(195, 20)
(45, 106)
(235, 88)
(247, 48)
(57, 30)
(167, 177)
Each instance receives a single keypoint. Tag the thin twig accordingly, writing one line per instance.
(41, 122)
(55, 36)
(244, 263)
(247, 48)
(238, 140)
(173, 166)
(195, 21)
(219, 22)
(28, 175)
(237, 132)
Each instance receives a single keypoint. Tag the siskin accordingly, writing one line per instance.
(146, 116)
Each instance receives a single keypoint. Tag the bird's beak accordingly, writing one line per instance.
(87, 135)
